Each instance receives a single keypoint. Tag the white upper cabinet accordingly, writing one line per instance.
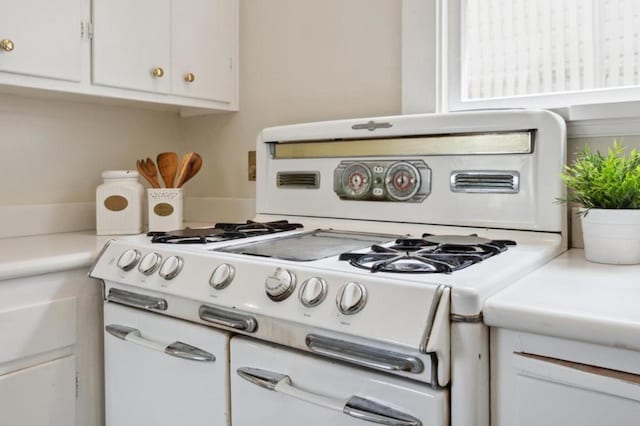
(181, 53)
(202, 48)
(41, 38)
(131, 44)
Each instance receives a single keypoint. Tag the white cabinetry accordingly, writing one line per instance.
(41, 38)
(173, 52)
(540, 381)
(50, 350)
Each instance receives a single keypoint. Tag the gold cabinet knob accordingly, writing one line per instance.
(189, 77)
(157, 72)
(6, 45)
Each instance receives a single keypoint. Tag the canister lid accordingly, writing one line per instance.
(120, 174)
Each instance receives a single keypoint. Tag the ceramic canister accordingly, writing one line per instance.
(119, 203)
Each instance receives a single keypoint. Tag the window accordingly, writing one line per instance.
(541, 53)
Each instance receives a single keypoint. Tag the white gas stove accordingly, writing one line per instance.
(391, 233)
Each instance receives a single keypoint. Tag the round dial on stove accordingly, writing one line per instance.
(351, 298)
(402, 181)
(171, 267)
(149, 263)
(313, 291)
(356, 180)
(222, 276)
(280, 284)
(128, 259)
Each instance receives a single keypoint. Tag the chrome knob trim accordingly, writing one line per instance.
(7, 45)
(222, 276)
(128, 259)
(280, 284)
(171, 267)
(149, 263)
(351, 298)
(313, 291)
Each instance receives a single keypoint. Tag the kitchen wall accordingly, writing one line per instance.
(300, 60)
(52, 153)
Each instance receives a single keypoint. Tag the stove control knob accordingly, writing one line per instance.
(150, 263)
(280, 284)
(171, 267)
(351, 298)
(313, 291)
(128, 259)
(222, 276)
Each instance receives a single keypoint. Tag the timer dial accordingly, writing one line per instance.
(280, 284)
(402, 181)
(128, 259)
(356, 180)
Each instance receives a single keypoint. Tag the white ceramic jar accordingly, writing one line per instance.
(119, 202)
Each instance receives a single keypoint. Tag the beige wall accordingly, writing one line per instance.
(53, 151)
(300, 60)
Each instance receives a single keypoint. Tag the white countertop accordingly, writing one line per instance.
(572, 298)
(33, 255)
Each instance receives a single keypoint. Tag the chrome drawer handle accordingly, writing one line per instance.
(228, 318)
(355, 406)
(175, 349)
(136, 300)
(366, 356)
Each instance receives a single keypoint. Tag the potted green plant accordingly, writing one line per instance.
(608, 188)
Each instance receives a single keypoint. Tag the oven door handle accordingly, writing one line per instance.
(175, 349)
(360, 408)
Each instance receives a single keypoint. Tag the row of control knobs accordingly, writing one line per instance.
(282, 283)
(151, 262)
(278, 286)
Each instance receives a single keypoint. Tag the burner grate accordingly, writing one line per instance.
(430, 254)
(222, 232)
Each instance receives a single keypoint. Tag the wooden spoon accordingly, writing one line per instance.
(148, 171)
(168, 166)
(189, 166)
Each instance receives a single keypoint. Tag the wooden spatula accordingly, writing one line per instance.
(168, 166)
(189, 166)
(143, 168)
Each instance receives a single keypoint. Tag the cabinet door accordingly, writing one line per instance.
(44, 395)
(131, 39)
(203, 44)
(42, 38)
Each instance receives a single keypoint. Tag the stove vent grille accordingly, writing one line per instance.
(305, 180)
(486, 181)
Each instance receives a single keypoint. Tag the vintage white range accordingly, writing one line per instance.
(356, 295)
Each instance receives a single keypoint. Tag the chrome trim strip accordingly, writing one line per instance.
(228, 318)
(516, 142)
(191, 353)
(100, 253)
(363, 355)
(485, 181)
(374, 412)
(434, 368)
(467, 318)
(136, 300)
(431, 318)
(372, 125)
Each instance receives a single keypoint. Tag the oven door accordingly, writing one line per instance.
(163, 371)
(273, 385)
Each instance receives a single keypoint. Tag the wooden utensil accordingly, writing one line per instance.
(147, 169)
(189, 166)
(168, 166)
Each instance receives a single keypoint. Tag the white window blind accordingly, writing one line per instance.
(526, 47)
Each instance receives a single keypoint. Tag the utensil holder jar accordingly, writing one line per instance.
(165, 209)
(119, 202)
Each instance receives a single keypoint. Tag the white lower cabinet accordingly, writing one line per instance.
(51, 350)
(41, 395)
(542, 381)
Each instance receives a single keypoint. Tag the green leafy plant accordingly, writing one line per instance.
(604, 181)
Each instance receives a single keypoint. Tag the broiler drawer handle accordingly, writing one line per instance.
(360, 408)
(175, 349)
(227, 318)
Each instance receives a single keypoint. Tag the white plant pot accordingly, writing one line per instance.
(612, 236)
